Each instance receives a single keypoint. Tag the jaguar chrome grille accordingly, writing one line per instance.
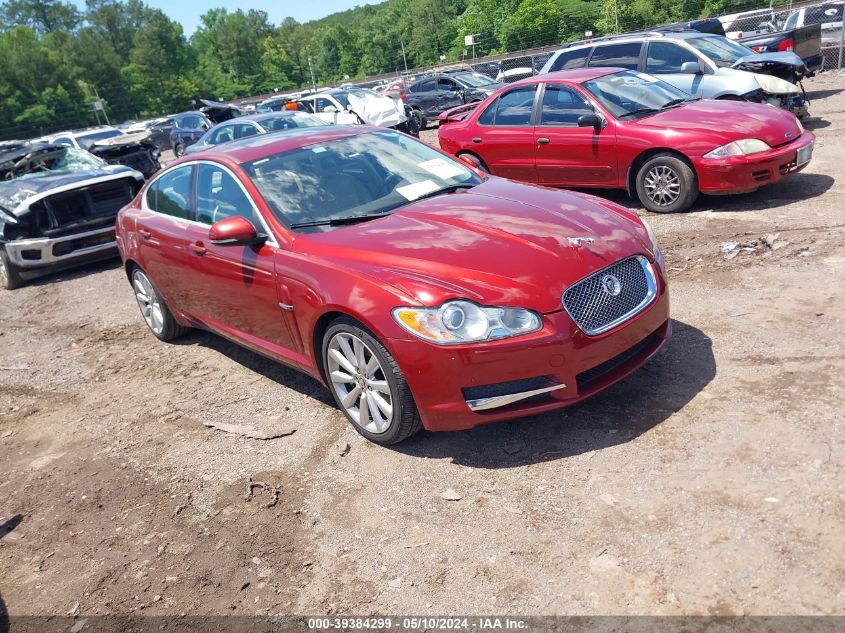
(611, 296)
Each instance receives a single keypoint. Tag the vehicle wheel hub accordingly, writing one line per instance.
(360, 382)
(662, 185)
(148, 302)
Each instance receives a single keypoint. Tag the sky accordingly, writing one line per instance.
(188, 13)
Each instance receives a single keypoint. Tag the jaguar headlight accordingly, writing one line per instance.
(462, 321)
(741, 147)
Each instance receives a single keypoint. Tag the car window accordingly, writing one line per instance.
(489, 115)
(515, 107)
(426, 86)
(721, 50)
(63, 140)
(563, 106)
(219, 196)
(222, 134)
(571, 59)
(667, 57)
(446, 84)
(322, 103)
(791, 21)
(191, 122)
(291, 120)
(823, 14)
(624, 55)
(242, 130)
(170, 194)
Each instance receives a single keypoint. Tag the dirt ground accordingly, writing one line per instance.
(710, 482)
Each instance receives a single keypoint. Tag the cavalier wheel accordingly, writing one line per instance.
(155, 312)
(10, 278)
(666, 184)
(367, 384)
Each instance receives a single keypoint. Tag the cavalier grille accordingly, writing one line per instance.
(612, 295)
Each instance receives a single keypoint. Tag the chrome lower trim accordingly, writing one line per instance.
(45, 247)
(482, 404)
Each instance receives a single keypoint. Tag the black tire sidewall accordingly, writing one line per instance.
(177, 152)
(171, 329)
(13, 278)
(349, 326)
(421, 122)
(686, 175)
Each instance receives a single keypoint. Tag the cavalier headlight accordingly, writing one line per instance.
(776, 86)
(462, 321)
(739, 148)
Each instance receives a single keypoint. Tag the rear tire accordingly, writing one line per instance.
(420, 119)
(666, 184)
(179, 150)
(367, 384)
(10, 278)
(154, 310)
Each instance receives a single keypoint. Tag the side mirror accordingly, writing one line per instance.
(690, 68)
(472, 161)
(330, 109)
(234, 231)
(590, 120)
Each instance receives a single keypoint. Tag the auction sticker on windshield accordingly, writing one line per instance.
(417, 189)
(440, 168)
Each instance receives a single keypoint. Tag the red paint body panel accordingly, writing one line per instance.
(588, 157)
(499, 243)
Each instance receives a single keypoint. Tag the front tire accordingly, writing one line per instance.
(367, 384)
(420, 119)
(10, 278)
(178, 150)
(666, 184)
(154, 310)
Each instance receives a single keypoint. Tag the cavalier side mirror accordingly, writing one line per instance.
(590, 120)
(235, 231)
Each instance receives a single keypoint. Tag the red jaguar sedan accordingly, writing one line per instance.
(618, 129)
(420, 290)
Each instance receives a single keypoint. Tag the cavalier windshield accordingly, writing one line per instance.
(355, 178)
(628, 94)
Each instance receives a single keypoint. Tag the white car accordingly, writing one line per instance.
(750, 23)
(354, 106)
(84, 139)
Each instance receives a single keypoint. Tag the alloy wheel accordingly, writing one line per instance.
(4, 274)
(662, 185)
(148, 301)
(360, 382)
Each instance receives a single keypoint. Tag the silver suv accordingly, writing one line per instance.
(700, 64)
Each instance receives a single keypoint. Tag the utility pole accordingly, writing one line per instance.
(313, 76)
(404, 59)
(100, 101)
(616, 14)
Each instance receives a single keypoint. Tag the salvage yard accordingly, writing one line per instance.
(698, 485)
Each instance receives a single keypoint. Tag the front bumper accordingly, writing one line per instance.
(43, 252)
(462, 387)
(738, 174)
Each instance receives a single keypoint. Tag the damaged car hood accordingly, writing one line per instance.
(377, 110)
(16, 195)
(783, 65)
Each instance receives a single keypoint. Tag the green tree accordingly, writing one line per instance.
(42, 16)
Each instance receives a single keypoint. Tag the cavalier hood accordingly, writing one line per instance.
(499, 243)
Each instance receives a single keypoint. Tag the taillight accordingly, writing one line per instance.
(787, 45)
(403, 96)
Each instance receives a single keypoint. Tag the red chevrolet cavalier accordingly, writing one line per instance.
(419, 290)
(613, 128)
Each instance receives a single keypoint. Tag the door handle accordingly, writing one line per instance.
(197, 248)
(145, 234)
(476, 139)
(543, 140)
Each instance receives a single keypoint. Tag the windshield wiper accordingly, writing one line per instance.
(672, 103)
(351, 219)
(448, 189)
(639, 111)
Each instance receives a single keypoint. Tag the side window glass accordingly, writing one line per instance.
(242, 130)
(562, 106)
(427, 86)
(488, 116)
(222, 135)
(515, 107)
(63, 140)
(571, 59)
(446, 84)
(172, 193)
(666, 57)
(625, 55)
(219, 196)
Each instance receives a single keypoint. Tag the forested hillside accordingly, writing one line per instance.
(56, 60)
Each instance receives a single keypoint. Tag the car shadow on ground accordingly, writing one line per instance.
(821, 94)
(76, 272)
(802, 186)
(6, 527)
(616, 416)
(815, 124)
(275, 371)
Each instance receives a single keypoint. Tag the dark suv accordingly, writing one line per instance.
(431, 96)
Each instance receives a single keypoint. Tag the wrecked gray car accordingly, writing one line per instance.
(57, 208)
(136, 150)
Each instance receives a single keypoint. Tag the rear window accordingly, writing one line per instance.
(626, 55)
(824, 13)
(570, 59)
